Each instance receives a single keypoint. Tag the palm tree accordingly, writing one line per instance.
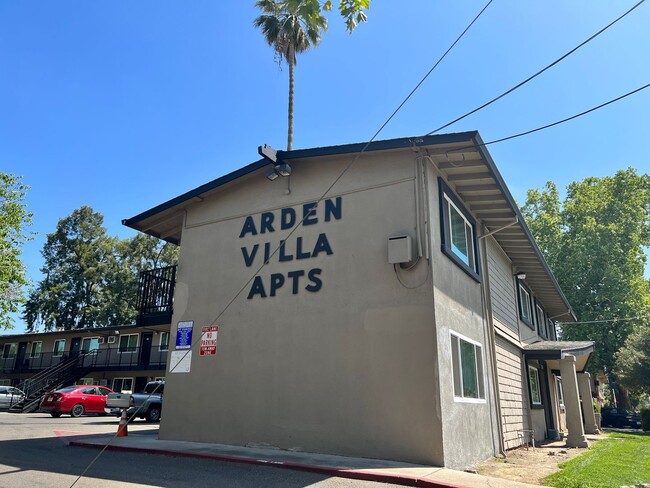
(290, 27)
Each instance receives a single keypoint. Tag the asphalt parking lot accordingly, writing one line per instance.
(34, 453)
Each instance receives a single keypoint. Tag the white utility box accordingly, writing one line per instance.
(400, 249)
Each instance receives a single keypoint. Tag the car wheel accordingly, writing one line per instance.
(56, 415)
(153, 414)
(77, 410)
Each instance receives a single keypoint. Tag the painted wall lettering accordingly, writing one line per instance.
(293, 249)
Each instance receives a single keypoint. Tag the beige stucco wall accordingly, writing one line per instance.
(349, 369)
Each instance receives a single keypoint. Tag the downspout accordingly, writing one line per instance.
(490, 338)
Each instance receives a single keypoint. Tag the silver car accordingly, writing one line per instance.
(10, 396)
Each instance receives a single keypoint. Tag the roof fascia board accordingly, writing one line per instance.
(401, 143)
(522, 222)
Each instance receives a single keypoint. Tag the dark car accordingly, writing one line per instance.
(619, 417)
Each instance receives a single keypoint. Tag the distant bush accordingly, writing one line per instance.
(645, 419)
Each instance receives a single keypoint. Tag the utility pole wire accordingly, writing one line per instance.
(561, 58)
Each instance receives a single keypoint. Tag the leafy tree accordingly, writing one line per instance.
(91, 278)
(292, 27)
(594, 242)
(633, 362)
(14, 220)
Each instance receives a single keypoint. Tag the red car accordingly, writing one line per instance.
(76, 400)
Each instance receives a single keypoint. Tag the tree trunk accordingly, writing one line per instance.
(290, 115)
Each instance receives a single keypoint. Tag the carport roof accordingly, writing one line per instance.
(469, 170)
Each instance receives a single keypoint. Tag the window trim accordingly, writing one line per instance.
(89, 351)
(135, 349)
(521, 286)
(447, 195)
(533, 403)
(541, 327)
(160, 342)
(31, 350)
(122, 378)
(9, 355)
(54, 353)
(480, 378)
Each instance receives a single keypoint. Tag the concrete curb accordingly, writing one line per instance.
(364, 475)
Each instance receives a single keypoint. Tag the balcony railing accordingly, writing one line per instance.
(110, 358)
(156, 296)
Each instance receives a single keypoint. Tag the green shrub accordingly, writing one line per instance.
(596, 407)
(645, 419)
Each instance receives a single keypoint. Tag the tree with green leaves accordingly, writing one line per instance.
(91, 278)
(292, 27)
(14, 221)
(633, 362)
(594, 242)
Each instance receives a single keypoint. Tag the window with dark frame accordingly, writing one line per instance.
(128, 343)
(541, 320)
(533, 382)
(458, 232)
(59, 347)
(467, 363)
(36, 349)
(525, 304)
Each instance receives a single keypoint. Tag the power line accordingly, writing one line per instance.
(550, 125)
(299, 224)
(519, 85)
(624, 319)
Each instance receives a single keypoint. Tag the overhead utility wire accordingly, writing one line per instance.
(300, 223)
(550, 125)
(507, 92)
(624, 319)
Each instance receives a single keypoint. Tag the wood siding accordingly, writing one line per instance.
(512, 392)
(502, 288)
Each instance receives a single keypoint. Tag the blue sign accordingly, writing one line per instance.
(184, 334)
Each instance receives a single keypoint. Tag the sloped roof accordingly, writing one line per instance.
(470, 171)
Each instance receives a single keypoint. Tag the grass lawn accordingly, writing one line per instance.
(621, 459)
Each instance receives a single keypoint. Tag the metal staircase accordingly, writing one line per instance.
(55, 377)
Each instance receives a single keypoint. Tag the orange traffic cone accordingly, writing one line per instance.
(122, 430)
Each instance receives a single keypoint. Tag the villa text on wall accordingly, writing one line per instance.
(296, 248)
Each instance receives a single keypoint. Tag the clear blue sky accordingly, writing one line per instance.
(122, 105)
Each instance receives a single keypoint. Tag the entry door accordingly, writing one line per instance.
(75, 346)
(145, 348)
(20, 356)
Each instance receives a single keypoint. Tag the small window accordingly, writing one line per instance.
(128, 343)
(525, 305)
(36, 349)
(458, 231)
(541, 321)
(90, 344)
(467, 363)
(59, 347)
(85, 381)
(533, 379)
(9, 351)
(123, 385)
(550, 326)
(164, 341)
(560, 391)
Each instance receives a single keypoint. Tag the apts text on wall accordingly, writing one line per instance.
(296, 248)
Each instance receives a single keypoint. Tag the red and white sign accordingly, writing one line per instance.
(209, 340)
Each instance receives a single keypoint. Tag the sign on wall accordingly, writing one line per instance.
(184, 334)
(209, 340)
(180, 362)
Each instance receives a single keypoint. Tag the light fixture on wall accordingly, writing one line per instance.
(520, 275)
(280, 168)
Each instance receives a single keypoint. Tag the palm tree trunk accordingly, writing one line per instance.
(290, 115)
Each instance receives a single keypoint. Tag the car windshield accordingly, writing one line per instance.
(3, 389)
(67, 389)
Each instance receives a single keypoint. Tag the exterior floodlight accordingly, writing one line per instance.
(283, 169)
(521, 275)
(271, 174)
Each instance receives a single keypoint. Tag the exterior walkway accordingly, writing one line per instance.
(344, 467)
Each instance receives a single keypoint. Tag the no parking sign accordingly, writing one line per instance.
(209, 340)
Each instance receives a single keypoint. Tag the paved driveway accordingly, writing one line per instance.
(34, 453)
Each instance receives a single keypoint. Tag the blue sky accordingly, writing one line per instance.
(122, 105)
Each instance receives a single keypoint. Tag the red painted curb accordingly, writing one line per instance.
(364, 475)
